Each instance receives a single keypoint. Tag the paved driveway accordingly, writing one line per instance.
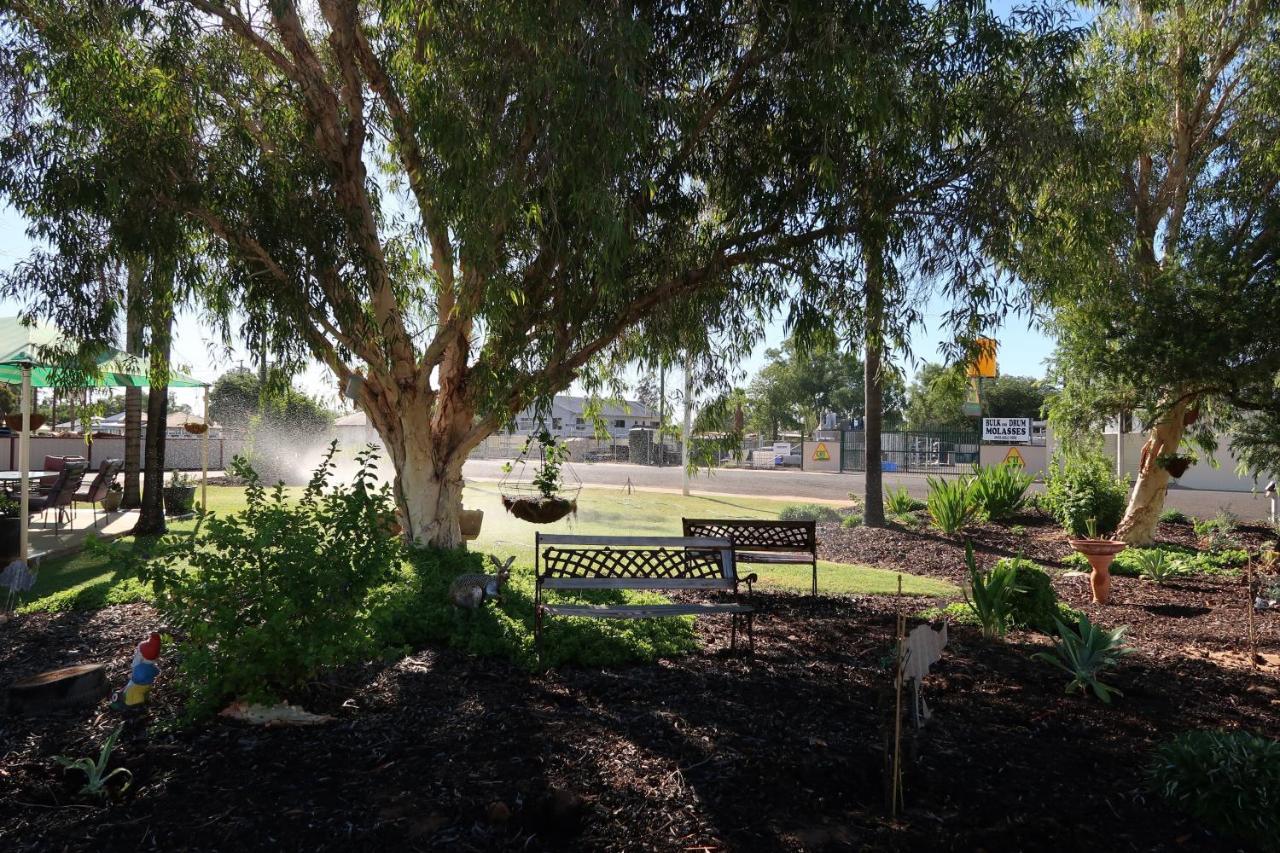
(805, 485)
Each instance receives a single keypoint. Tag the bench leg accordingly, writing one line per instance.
(537, 632)
(815, 577)
(733, 632)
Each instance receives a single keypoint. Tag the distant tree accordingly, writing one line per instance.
(1014, 397)
(936, 399)
(8, 399)
(238, 397)
(770, 406)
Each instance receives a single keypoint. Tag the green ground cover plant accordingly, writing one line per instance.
(1230, 780)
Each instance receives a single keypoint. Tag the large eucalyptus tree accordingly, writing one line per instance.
(1155, 240)
(467, 204)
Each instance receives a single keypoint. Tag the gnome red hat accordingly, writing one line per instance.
(150, 647)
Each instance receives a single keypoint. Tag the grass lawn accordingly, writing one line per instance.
(93, 578)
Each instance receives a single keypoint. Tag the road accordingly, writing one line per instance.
(790, 484)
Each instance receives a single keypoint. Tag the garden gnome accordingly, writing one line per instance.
(144, 670)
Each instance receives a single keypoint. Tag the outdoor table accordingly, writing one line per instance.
(16, 476)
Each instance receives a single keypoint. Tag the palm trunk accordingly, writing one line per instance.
(132, 498)
(873, 512)
(1138, 526)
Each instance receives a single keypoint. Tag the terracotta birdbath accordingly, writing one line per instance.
(1099, 553)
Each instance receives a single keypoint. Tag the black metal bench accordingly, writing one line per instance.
(567, 563)
(763, 540)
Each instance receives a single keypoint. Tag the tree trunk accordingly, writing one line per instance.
(1138, 526)
(132, 498)
(873, 497)
(151, 514)
(427, 452)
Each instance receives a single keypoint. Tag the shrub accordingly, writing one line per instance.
(1079, 487)
(1085, 653)
(1229, 780)
(1173, 516)
(999, 491)
(1033, 603)
(898, 502)
(1183, 560)
(266, 597)
(990, 594)
(413, 609)
(950, 504)
(808, 512)
(1215, 533)
(851, 520)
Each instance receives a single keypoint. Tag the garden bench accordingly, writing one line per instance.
(762, 540)
(567, 563)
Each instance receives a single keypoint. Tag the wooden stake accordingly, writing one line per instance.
(1248, 607)
(895, 782)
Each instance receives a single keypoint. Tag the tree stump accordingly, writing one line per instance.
(57, 689)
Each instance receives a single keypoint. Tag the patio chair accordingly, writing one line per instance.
(63, 492)
(97, 490)
(53, 463)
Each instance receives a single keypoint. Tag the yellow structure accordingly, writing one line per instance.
(984, 366)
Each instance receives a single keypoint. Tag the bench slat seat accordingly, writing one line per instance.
(567, 563)
(643, 611)
(776, 557)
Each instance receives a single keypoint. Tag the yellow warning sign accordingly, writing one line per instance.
(1014, 456)
(820, 453)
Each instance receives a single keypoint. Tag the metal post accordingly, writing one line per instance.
(24, 464)
(204, 455)
(688, 424)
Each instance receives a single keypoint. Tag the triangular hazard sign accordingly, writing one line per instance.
(1014, 456)
(820, 453)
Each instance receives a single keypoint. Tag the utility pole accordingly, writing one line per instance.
(662, 412)
(688, 422)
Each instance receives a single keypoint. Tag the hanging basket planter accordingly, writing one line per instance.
(1175, 465)
(1191, 415)
(195, 427)
(470, 520)
(14, 422)
(539, 510)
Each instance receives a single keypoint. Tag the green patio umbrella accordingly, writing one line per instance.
(39, 356)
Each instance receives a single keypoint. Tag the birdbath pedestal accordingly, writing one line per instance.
(1100, 553)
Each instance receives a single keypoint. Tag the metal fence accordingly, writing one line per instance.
(914, 452)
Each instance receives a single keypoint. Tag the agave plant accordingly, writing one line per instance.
(1155, 565)
(990, 594)
(1084, 653)
(96, 778)
(898, 502)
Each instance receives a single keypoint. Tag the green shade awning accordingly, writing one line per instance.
(55, 361)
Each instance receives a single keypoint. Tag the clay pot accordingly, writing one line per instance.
(470, 520)
(539, 510)
(1100, 553)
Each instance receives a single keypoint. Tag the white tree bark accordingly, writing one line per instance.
(1138, 527)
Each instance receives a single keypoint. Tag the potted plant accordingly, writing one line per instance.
(195, 427)
(111, 500)
(470, 520)
(540, 501)
(1173, 463)
(179, 495)
(1100, 553)
(10, 529)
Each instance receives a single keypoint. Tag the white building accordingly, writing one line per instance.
(566, 419)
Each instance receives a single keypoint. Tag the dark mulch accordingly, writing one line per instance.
(448, 752)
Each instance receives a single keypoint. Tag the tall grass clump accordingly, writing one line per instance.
(950, 504)
(999, 491)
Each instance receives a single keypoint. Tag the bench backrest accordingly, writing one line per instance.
(757, 534)
(633, 562)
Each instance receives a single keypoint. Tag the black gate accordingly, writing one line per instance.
(914, 452)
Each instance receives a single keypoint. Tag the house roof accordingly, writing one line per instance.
(563, 406)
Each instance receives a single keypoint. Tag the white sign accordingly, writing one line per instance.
(782, 448)
(1007, 430)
